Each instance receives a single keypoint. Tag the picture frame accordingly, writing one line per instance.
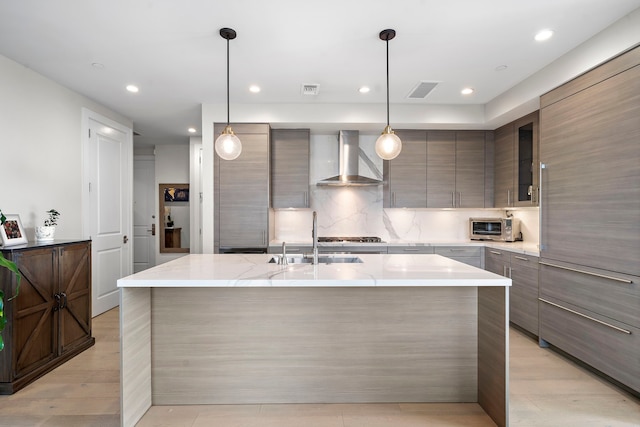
(176, 194)
(11, 232)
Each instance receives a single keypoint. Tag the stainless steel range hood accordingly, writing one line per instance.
(349, 152)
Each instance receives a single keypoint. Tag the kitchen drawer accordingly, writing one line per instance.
(474, 261)
(410, 249)
(496, 261)
(293, 249)
(523, 297)
(523, 260)
(612, 351)
(458, 251)
(601, 292)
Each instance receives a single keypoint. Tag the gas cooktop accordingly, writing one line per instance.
(352, 239)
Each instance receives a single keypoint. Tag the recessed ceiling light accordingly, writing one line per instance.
(467, 91)
(97, 65)
(254, 88)
(364, 89)
(133, 88)
(501, 67)
(192, 130)
(544, 35)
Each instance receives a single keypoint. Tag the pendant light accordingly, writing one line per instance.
(228, 145)
(388, 145)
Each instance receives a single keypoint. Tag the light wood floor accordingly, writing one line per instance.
(546, 390)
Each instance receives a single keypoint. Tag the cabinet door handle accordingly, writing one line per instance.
(603, 276)
(585, 316)
(410, 249)
(57, 298)
(508, 197)
(64, 300)
(453, 199)
(456, 250)
(521, 258)
(542, 167)
(496, 252)
(459, 199)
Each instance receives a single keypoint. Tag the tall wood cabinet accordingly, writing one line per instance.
(49, 321)
(290, 168)
(590, 218)
(516, 162)
(242, 217)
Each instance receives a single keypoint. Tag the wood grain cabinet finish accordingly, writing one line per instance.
(290, 168)
(605, 344)
(456, 169)
(241, 186)
(516, 162)
(523, 296)
(470, 255)
(50, 320)
(408, 250)
(591, 181)
(406, 175)
(590, 211)
(438, 169)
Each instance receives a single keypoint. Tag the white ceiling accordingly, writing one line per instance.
(173, 52)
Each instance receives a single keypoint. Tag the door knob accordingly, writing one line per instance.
(125, 239)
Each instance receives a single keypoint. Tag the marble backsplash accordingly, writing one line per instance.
(358, 211)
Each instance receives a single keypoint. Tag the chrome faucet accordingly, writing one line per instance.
(314, 236)
(283, 259)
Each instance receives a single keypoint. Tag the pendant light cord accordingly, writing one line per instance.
(228, 82)
(387, 42)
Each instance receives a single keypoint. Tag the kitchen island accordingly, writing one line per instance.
(236, 329)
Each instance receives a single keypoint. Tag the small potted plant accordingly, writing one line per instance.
(46, 233)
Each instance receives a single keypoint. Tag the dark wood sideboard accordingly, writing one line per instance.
(50, 320)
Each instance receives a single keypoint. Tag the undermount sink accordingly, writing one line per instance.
(324, 259)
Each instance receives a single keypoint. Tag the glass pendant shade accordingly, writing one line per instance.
(228, 145)
(388, 145)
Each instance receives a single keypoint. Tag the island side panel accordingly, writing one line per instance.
(493, 353)
(135, 354)
(314, 345)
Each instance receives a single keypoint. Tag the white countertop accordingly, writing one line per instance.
(253, 270)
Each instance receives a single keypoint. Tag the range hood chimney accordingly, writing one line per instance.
(349, 152)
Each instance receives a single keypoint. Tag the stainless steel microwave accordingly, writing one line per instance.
(498, 229)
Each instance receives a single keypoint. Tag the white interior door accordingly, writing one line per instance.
(108, 169)
(144, 222)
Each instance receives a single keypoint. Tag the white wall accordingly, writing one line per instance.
(41, 148)
(172, 167)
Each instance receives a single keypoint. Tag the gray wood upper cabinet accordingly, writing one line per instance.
(438, 169)
(441, 169)
(241, 186)
(591, 182)
(516, 162)
(470, 169)
(456, 169)
(290, 168)
(406, 175)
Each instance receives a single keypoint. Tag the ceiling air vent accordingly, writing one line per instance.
(422, 90)
(310, 89)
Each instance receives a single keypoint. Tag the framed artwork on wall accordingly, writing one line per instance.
(11, 232)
